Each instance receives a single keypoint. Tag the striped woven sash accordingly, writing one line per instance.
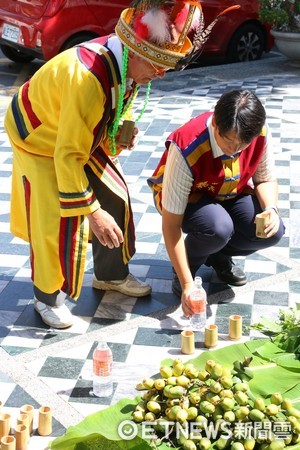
(106, 171)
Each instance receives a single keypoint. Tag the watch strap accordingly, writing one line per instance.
(272, 207)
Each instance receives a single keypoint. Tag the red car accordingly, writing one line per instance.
(42, 28)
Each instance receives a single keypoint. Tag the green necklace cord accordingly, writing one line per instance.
(120, 109)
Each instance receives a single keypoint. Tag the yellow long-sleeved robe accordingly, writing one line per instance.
(52, 125)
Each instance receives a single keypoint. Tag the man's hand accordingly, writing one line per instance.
(105, 228)
(273, 222)
(186, 304)
(133, 140)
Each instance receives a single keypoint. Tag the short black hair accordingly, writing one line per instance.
(240, 111)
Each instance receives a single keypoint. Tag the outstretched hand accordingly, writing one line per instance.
(105, 228)
(186, 304)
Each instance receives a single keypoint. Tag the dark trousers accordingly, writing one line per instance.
(108, 263)
(226, 227)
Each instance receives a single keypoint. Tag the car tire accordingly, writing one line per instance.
(16, 55)
(78, 39)
(247, 44)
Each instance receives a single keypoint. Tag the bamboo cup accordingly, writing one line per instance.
(187, 342)
(21, 436)
(261, 221)
(126, 134)
(8, 443)
(5, 421)
(210, 336)
(23, 419)
(29, 410)
(45, 421)
(235, 327)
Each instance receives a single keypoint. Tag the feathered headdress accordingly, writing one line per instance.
(157, 30)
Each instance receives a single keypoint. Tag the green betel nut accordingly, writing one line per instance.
(226, 382)
(259, 403)
(165, 371)
(222, 443)
(204, 443)
(173, 391)
(272, 410)
(227, 404)
(249, 443)
(210, 363)
(242, 412)
(276, 398)
(153, 407)
(237, 446)
(207, 407)
(241, 398)
(216, 371)
(189, 445)
(172, 412)
(277, 444)
(256, 415)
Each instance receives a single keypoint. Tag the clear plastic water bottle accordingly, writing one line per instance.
(102, 370)
(198, 299)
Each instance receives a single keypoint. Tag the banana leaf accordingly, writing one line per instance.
(282, 358)
(274, 371)
(269, 363)
(102, 427)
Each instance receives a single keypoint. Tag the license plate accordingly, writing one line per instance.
(10, 32)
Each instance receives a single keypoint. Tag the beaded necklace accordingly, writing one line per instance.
(120, 109)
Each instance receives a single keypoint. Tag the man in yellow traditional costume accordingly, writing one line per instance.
(63, 125)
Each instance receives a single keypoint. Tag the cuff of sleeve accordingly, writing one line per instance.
(82, 211)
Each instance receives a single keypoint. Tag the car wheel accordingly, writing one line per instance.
(77, 39)
(247, 44)
(16, 55)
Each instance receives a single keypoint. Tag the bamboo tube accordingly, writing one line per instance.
(8, 443)
(187, 342)
(211, 336)
(126, 134)
(21, 436)
(23, 419)
(29, 410)
(45, 421)
(261, 220)
(235, 327)
(5, 421)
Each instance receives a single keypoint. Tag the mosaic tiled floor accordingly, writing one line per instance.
(42, 366)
